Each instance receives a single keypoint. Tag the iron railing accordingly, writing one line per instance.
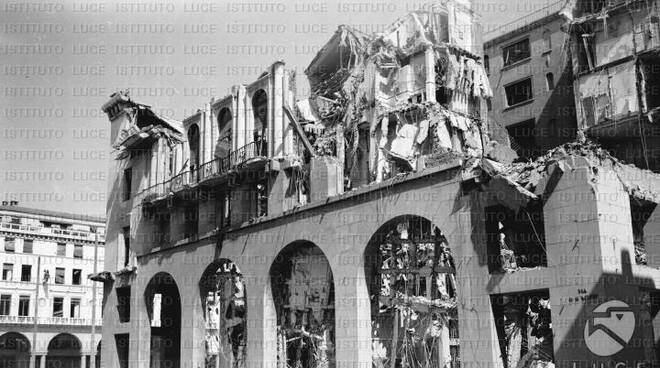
(49, 231)
(214, 168)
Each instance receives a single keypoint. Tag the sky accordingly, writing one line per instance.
(60, 60)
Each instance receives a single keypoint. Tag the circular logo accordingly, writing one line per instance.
(610, 328)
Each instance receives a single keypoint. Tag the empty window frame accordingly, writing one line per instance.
(128, 182)
(515, 239)
(126, 233)
(124, 303)
(122, 343)
(59, 275)
(522, 137)
(550, 81)
(24, 305)
(516, 52)
(26, 273)
(76, 276)
(58, 306)
(10, 245)
(518, 92)
(5, 304)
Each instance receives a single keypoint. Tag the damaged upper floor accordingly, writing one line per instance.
(380, 106)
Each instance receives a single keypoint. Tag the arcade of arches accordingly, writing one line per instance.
(62, 351)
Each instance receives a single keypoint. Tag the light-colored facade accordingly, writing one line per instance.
(50, 311)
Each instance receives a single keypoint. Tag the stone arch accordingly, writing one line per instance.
(260, 111)
(14, 350)
(222, 292)
(64, 351)
(303, 293)
(224, 144)
(163, 303)
(410, 275)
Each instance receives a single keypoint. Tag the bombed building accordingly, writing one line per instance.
(614, 53)
(371, 223)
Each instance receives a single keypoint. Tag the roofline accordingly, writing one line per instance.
(72, 217)
(522, 29)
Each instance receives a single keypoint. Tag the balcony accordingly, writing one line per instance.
(49, 231)
(244, 157)
(59, 321)
(16, 320)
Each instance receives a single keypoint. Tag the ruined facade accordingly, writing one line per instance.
(371, 223)
(614, 47)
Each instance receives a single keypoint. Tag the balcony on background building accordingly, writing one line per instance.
(49, 231)
(244, 157)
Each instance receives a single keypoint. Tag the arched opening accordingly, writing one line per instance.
(63, 352)
(303, 292)
(164, 309)
(260, 110)
(410, 274)
(223, 147)
(97, 359)
(14, 350)
(222, 291)
(193, 145)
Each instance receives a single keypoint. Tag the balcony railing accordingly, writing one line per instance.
(60, 321)
(215, 168)
(49, 231)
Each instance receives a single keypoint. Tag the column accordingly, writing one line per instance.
(83, 361)
(261, 320)
(429, 60)
(277, 101)
(353, 313)
(42, 362)
(33, 359)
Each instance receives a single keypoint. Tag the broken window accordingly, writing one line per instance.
(222, 290)
(194, 145)
(640, 212)
(410, 273)
(519, 92)
(126, 237)
(517, 52)
(260, 110)
(487, 64)
(524, 328)
(515, 240)
(124, 303)
(522, 137)
(163, 302)
(223, 146)
(128, 182)
(550, 81)
(650, 68)
(262, 198)
(303, 292)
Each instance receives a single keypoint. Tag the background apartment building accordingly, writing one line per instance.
(529, 67)
(50, 311)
